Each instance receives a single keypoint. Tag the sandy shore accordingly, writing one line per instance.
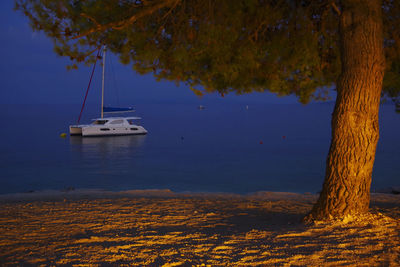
(161, 228)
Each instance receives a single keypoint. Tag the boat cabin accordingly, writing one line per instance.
(109, 126)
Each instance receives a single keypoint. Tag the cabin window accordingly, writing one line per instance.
(117, 122)
(134, 129)
(104, 129)
(100, 122)
(131, 122)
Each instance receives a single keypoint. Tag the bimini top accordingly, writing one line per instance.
(117, 110)
(118, 118)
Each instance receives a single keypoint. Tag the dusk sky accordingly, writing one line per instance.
(33, 74)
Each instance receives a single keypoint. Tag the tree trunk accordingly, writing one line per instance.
(355, 127)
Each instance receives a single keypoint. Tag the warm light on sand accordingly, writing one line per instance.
(263, 229)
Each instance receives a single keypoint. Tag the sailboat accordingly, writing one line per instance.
(108, 126)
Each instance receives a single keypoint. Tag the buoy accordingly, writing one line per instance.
(63, 135)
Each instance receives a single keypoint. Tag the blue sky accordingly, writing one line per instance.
(32, 73)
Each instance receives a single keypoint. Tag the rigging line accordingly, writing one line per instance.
(90, 81)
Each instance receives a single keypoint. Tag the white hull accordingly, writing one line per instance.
(75, 130)
(89, 130)
(107, 129)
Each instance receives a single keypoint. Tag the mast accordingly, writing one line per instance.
(102, 81)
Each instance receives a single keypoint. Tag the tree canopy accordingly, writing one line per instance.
(286, 47)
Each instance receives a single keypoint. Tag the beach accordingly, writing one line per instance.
(163, 228)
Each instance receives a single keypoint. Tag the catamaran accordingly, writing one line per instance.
(106, 126)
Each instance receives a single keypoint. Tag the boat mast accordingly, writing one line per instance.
(102, 81)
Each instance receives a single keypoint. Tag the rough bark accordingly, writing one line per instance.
(355, 128)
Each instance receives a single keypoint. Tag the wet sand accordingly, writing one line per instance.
(162, 228)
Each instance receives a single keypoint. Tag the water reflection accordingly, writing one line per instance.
(110, 162)
(107, 146)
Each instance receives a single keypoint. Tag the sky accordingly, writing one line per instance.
(31, 73)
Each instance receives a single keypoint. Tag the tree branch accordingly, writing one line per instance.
(337, 10)
(119, 25)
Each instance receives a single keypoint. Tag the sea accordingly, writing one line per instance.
(225, 147)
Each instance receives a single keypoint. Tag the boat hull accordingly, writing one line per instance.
(107, 130)
(75, 130)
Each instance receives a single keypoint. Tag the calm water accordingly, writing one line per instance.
(224, 148)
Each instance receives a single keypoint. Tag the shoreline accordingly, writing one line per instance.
(77, 194)
(72, 193)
